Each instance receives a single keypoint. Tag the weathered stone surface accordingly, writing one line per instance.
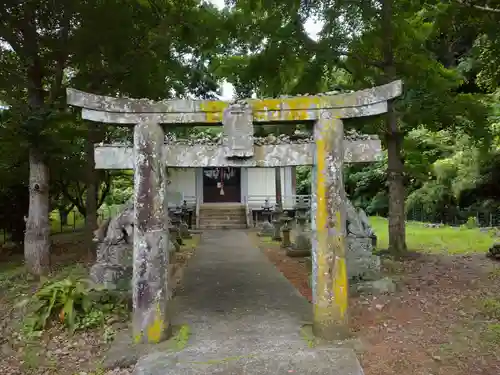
(151, 291)
(299, 136)
(297, 253)
(328, 153)
(286, 243)
(330, 287)
(131, 111)
(274, 155)
(302, 242)
(260, 114)
(362, 264)
(358, 224)
(494, 251)
(238, 131)
(367, 226)
(113, 267)
(266, 229)
(184, 231)
(336, 361)
(375, 287)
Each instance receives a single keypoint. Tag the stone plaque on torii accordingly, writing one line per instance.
(149, 156)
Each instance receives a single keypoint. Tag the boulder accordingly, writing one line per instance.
(115, 238)
(494, 251)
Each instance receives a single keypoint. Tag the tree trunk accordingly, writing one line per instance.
(63, 216)
(17, 208)
(91, 198)
(397, 236)
(395, 179)
(37, 236)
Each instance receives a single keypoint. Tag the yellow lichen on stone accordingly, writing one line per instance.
(157, 328)
(137, 338)
(331, 294)
(321, 224)
(214, 110)
(340, 287)
(286, 109)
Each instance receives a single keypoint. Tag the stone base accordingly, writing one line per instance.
(341, 361)
(112, 276)
(266, 229)
(302, 241)
(175, 235)
(362, 264)
(175, 245)
(494, 251)
(297, 253)
(124, 353)
(382, 286)
(184, 229)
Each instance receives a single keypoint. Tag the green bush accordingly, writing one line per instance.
(472, 222)
(75, 303)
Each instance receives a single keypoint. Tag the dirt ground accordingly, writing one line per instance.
(443, 320)
(57, 351)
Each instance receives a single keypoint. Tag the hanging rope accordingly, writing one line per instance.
(221, 181)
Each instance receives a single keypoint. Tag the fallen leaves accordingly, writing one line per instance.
(424, 328)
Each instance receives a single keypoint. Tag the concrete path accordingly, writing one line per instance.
(242, 312)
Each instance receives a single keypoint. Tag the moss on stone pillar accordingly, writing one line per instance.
(329, 271)
(151, 291)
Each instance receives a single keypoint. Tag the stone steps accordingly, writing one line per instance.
(222, 226)
(222, 217)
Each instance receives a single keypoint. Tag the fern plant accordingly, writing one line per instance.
(66, 299)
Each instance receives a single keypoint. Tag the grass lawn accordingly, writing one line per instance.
(449, 240)
(75, 222)
(442, 240)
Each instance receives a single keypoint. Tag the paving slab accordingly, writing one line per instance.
(244, 317)
(310, 362)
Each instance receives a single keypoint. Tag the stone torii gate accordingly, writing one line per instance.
(150, 156)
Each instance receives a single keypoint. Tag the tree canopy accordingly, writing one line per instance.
(445, 127)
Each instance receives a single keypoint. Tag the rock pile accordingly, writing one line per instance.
(494, 251)
(297, 137)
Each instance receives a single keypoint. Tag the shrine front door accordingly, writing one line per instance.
(221, 185)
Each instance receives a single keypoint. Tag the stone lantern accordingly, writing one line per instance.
(267, 229)
(277, 212)
(183, 226)
(302, 246)
(285, 225)
(176, 223)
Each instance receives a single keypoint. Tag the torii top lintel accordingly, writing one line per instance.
(299, 108)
